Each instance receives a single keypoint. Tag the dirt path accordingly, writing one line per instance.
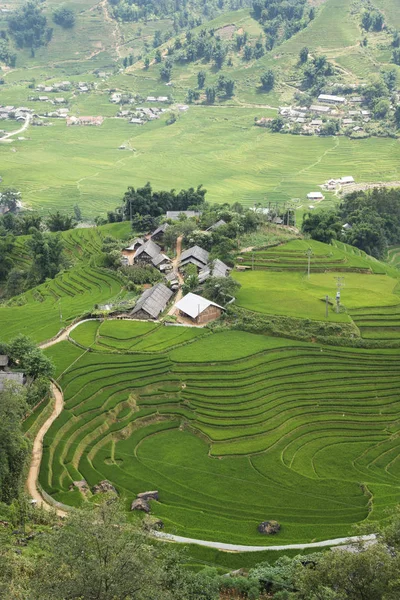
(62, 336)
(239, 548)
(20, 130)
(175, 264)
(37, 451)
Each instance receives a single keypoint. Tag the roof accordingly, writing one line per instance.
(149, 248)
(216, 269)
(347, 179)
(157, 260)
(317, 108)
(154, 300)
(3, 360)
(195, 252)
(329, 98)
(216, 225)
(11, 377)
(193, 305)
(174, 214)
(135, 242)
(313, 195)
(160, 229)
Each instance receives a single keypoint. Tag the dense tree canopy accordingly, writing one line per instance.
(145, 201)
(28, 27)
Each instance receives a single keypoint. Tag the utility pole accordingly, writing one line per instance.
(309, 254)
(339, 285)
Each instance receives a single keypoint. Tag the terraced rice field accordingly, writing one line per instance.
(232, 429)
(44, 310)
(394, 256)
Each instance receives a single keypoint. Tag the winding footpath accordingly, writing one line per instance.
(35, 493)
(10, 134)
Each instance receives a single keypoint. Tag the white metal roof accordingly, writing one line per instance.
(193, 305)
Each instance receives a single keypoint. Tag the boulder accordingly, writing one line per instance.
(140, 504)
(81, 485)
(150, 523)
(269, 527)
(148, 495)
(104, 486)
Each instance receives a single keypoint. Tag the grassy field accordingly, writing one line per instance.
(59, 166)
(279, 283)
(232, 429)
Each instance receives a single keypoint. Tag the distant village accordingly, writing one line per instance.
(330, 115)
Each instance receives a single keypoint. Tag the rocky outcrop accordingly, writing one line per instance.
(104, 486)
(269, 527)
(148, 495)
(140, 504)
(142, 501)
(81, 485)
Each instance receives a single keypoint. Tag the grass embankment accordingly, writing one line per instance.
(285, 430)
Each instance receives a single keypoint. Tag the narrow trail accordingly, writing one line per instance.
(239, 548)
(175, 264)
(37, 452)
(10, 134)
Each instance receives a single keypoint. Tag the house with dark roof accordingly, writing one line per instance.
(158, 234)
(8, 377)
(161, 261)
(216, 268)
(175, 214)
(198, 310)
(196, 256)
(152, 302)
(216, 225)
(129, 251)
(145, 253)
(3, 361)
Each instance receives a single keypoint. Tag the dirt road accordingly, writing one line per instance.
(37, 451)
(20, 130)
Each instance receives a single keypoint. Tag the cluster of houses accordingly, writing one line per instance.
(80, 86)
(140, 115)
(332, 185)
(19, 113)
(8, 376)
(59, 100)
(126, 98)
(195, 309)
(84, 121)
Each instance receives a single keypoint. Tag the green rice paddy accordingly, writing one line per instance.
(232, 429)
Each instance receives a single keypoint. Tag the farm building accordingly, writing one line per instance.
(7, 377)
(129, 251)
(161, 261)
(323, 110)
(175, 214)
(328, 99)
(196, 256)
(197, 309)
(158, 234)
(3, 361)
(152, 302)
(146, 253)
(215, 269)
(84, 120)
(315, 196)
(216, 225)
(173, 280)
(346, 180)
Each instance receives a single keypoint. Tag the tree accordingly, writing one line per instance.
(192, 95)
(229, 88)
(397, 116)
(248, 52)
(201, 79)
(323, 226)
(166, 70)
(64, 16)
(7, 243)
(146, 62)
(13, 446)
(10, 198)
(381, 108)
(59, 222)
(46, 251)
(28, 27)
(98, 555)
(277, 124)
(210, 95)
(267, 80)
(220, 289)
(303, 55)
(77, 213)
(25, 355)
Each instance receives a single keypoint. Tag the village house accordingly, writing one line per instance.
(328, 99)
(216, 268)
(145, 253)
(346, 180)
(195, 256)
(158, 234)
(172, 279)
(323, 110)
(152, 302)
(3, 362)
(8, 377)
(136, 121)
(315, 196)
(198, 310)
(84, 121)
(175, 214)
(216, 225)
